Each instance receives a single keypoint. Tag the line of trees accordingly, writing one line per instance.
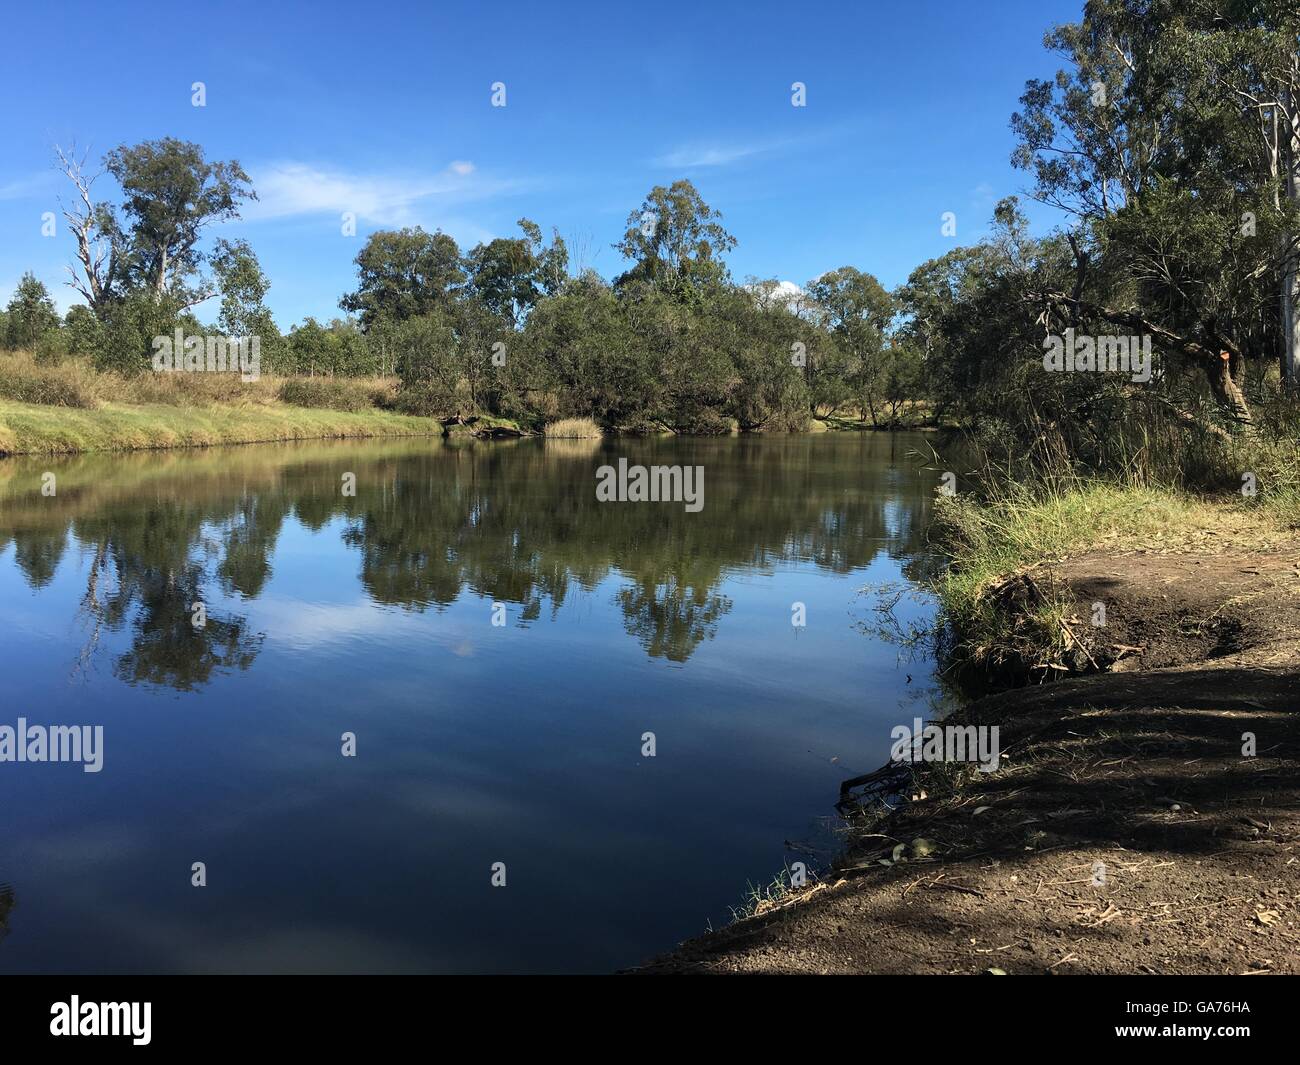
(672, 343)
(504, 327)
(1170, 138)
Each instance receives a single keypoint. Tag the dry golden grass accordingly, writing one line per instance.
(75, 382)
(69, 407)
(338, 393)
(573, 429)
(72, 383)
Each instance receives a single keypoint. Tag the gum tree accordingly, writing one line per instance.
(1171, 140)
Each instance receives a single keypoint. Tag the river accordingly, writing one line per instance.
(502, 650)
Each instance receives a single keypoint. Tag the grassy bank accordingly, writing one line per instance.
(69, 407)
(33, 429)
(999, 546)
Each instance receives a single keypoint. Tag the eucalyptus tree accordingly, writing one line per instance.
(404, 274)
(138, 256)
(675, 240)
(857, 311)
(171, 193)
(510, 274)
(243, 286)
(1172, 141)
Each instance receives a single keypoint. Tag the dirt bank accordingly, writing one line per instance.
(1126, 831)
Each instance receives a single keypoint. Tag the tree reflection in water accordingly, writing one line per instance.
(517, 523)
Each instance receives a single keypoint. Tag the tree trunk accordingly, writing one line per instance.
(1290, 157)
(1227, 392)
(1224, 370)
(160, 282)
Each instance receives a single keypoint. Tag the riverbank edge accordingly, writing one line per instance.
(32, 429)
(949, 876)
(35, 429)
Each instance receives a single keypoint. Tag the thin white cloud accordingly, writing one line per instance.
(27, 188)
(694, 156)
(289, 189)
(724, 152)
(701, 154)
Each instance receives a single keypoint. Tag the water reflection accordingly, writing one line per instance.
(370, 613)
(514, 523)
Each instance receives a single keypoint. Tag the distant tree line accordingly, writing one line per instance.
(671, 343)
(504, 328)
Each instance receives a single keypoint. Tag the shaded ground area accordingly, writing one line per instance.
(1126, 831)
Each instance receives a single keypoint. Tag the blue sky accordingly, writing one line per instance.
(385, 110)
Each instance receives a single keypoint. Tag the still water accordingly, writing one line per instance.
(518, 743)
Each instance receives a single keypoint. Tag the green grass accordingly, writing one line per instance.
(30, 429)
(761, 898)
(991, 540)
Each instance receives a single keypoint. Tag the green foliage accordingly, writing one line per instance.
(339, 349)
(509, 276)
(579, 344)
(1165, 139)
(424, 350)
(84, 332)
(52, 347)
(857, 312)
(675, 241)
(30, 315)
(126, 342)
(405, 274)
(171, 193)
(243, 288)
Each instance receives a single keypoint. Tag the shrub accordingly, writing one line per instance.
(331, 393)
(51, 348)
(30, 315)
(706, 422)
(425, 354)
(83, 331)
